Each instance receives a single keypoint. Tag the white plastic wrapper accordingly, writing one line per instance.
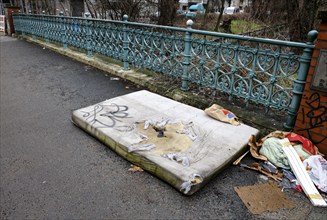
(317, 170)
(176, 157)
(141, 147)
(160, 123)
(194, 180)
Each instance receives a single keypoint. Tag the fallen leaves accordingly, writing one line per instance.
(133, 168)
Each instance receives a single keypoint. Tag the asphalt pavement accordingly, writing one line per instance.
(51, 169)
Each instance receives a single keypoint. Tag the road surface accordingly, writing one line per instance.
(51, 169)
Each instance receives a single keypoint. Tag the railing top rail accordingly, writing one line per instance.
(254, 39)
(196, 31)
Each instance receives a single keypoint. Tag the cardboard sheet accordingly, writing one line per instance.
(263, 197)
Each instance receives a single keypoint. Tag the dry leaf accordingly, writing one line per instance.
(135, 168)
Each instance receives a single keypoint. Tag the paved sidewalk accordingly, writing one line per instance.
(52, 169)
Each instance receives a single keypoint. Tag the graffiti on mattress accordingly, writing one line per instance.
(108, 115)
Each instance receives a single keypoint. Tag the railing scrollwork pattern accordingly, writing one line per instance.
(257, 70)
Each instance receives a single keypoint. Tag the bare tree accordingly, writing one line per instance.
(114, 10)
(167, 11)
(303, 17)
(204, 20)
(77, 7)
(300, 15)
(91, 8)
(221, 4)
(38, 6)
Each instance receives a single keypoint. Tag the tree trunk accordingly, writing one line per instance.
(167, 12)
(221, 11)
(77, 8)
(204, 20)
(90, 8)
(301, 20)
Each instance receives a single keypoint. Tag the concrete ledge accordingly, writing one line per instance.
(147, 79)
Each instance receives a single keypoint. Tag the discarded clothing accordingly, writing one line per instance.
(302, 153)
(272, 149)
(307, 145)
(290, 181)
(296, 140)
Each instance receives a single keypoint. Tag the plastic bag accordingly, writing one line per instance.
(317, 170)
(221, 114)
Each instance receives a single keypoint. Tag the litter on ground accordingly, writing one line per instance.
(263, 197)
(292, 161)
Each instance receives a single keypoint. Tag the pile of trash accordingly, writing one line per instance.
(293, 161)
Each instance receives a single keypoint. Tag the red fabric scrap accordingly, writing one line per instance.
(307, 145)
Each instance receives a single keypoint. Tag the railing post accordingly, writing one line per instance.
(16, 21)
(88, 36)
(187, 56)
(63, 30)
(299, 83)
(45, 25)
(22, 24)
(33, 23)
(125, 43)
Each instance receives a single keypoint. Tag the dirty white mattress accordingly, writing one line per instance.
(193, 149)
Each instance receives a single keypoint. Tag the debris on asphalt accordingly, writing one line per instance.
(290, 182)
(301, 174)
(303, 146)
(307, 145)
(135, 168)
(269, 167)
(254, 148)
(238, 161)
(272, 149)
(217, 112)
(263, 197)
(114, 78)
(317, 169)
(263, 178)
(256, 166)
(282, 157)
(86, 68)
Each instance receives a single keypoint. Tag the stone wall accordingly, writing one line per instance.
(312, 117)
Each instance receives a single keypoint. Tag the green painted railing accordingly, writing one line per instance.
(257, 70)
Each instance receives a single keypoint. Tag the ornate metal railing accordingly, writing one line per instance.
(258, 70)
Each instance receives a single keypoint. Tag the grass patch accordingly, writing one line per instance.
(242, 26)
